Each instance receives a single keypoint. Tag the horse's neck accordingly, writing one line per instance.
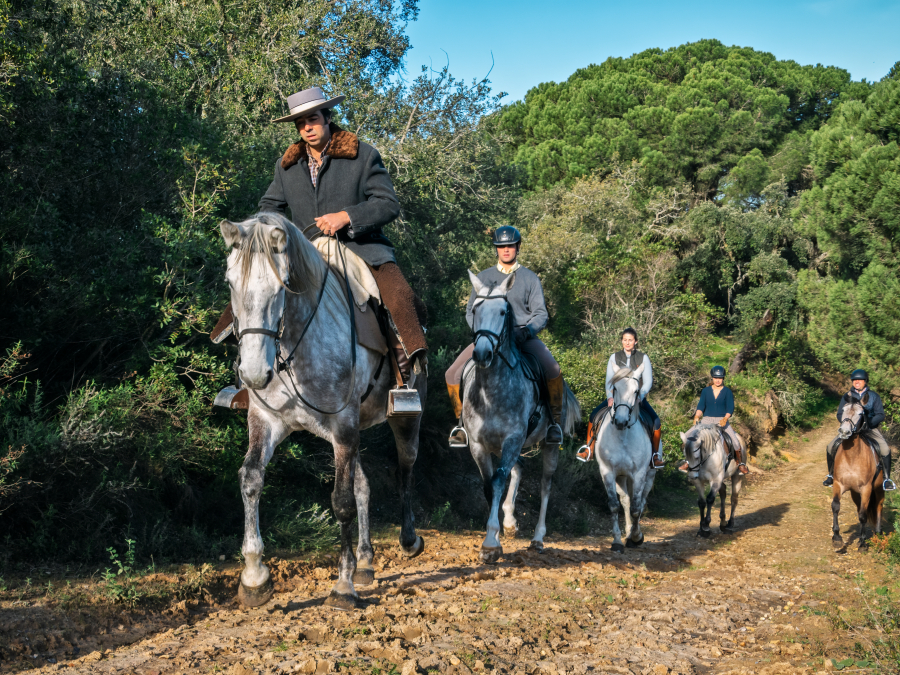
(331, 319)
(499, 370)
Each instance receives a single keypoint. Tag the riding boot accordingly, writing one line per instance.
(586, 452)
(739, 457)
(556, 389)
(888, 484)
(829, 480)
(656, 460)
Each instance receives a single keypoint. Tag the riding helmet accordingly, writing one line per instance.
(506, 236)
(859, 374)
(717, 371)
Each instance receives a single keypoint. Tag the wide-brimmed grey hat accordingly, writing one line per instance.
(307, 101)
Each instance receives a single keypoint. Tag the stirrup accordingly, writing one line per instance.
(584, 454)
(684, 467)
(888, 485)
(554, 435)
(829, 481)
(234, 398)
(404, 402)
(654, 458)
(458, 438)
(746, 468)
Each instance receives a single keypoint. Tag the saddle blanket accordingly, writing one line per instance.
(362, 287)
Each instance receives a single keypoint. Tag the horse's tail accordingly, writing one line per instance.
(572, 412)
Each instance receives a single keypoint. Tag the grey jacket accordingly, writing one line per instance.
(352, 178)
(526, 298)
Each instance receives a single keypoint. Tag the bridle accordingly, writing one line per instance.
(283, 364)
(860, 424)
(496, 339)
(624, 405)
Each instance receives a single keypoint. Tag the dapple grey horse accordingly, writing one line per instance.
(708, 465)
(498, 399)
(623, 453)
(304, 370)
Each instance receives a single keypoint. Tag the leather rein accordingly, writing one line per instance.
(283, 364)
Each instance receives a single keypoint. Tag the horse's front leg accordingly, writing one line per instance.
(256, 586)
(701, 503)
(624, 489)
(406, 435)
(550, 454)
(612, 500)
(510, 524)
(343, 501)
(365, 554)
(642, 489)
(491, 550)
(836, 540)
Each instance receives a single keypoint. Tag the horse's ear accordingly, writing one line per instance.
(278, 239)
(231, 233)
(477, 284)
(683, 437)
(506, 284)
(639, 371)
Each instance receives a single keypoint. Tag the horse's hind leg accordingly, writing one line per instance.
(836, 541)
(256, 585)
(550, 454)
(863, 514)
(406, 435)
(736, 483)
(365, 572)
(510, 526)
(723, 493)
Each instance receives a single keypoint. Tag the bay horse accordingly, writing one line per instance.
(856, 468)
(622, 451)
(498, 401)
(709, 465)
(300, 360)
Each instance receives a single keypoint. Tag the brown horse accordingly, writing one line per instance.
(857, 469)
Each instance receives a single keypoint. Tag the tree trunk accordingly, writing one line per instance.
(740, 360)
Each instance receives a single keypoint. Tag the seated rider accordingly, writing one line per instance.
(333, 181)
(874, 412)
(526, 301)
(716, 406)
(630, 357)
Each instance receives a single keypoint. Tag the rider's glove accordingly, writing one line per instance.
(723, 422)
(523, 334)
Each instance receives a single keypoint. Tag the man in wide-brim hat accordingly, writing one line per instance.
(332, 179)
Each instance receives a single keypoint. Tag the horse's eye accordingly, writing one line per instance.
(503, 313)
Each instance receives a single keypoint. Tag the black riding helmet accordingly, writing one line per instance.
(859, 374)
(506, 236)
(717, 371)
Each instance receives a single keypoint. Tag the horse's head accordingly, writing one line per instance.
(693, 443)
(626, 395)
(258, 273)
(491, 319)
(853, 417)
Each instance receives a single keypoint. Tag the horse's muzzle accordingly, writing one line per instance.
(257, 384)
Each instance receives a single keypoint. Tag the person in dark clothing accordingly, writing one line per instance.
(526, 301)
(874, 414)
(629, 357)
(334, 184)
(716, 406)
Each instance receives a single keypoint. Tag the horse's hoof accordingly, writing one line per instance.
(510, 532)
(537, 546)
(863, 546)
(634, 544)
(725, 528)
(256, 596)
(837, 543)
(414, 550)
(618, 548)
(342, 601)
(704, 533)
(364, 576)
(490, 554)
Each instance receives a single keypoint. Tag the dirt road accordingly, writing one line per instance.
(751, 602)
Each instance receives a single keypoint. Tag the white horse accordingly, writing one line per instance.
(623, 453)
(709, 466)
(304, 369)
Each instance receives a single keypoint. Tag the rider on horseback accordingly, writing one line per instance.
(526, 300)
(629, 357)
(874, 415)
(334, 184)
(716, 406)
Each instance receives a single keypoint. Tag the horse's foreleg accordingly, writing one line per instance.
(365, 572)
(343, 502)
(491, 550)
(256, 585)
(723, 493)
(550, 454)
(624, 488)
(406, 435)
(612, 500)
(639, 504)
(510, 526)
(701, 503)
(836, 541)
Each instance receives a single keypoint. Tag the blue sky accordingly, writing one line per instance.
(534, 42)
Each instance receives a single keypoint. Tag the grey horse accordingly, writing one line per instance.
(304, 371)
(498, 400)
(708, 465)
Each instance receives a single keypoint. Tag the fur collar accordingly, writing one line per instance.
(344, 145)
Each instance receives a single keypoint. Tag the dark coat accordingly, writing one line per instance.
(353, 179)
(874, 407)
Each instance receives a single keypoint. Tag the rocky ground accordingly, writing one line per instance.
(771, 598)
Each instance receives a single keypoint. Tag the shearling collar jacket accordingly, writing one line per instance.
(352, 178)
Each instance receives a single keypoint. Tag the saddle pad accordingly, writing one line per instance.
(362, 282)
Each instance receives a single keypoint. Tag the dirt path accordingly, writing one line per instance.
(752, 602)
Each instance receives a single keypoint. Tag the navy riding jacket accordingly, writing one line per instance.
(874, 407)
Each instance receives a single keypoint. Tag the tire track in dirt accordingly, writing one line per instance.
(745, 603)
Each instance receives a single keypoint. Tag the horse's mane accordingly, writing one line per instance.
(622, 374)
(707, 434)
(305, 263)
